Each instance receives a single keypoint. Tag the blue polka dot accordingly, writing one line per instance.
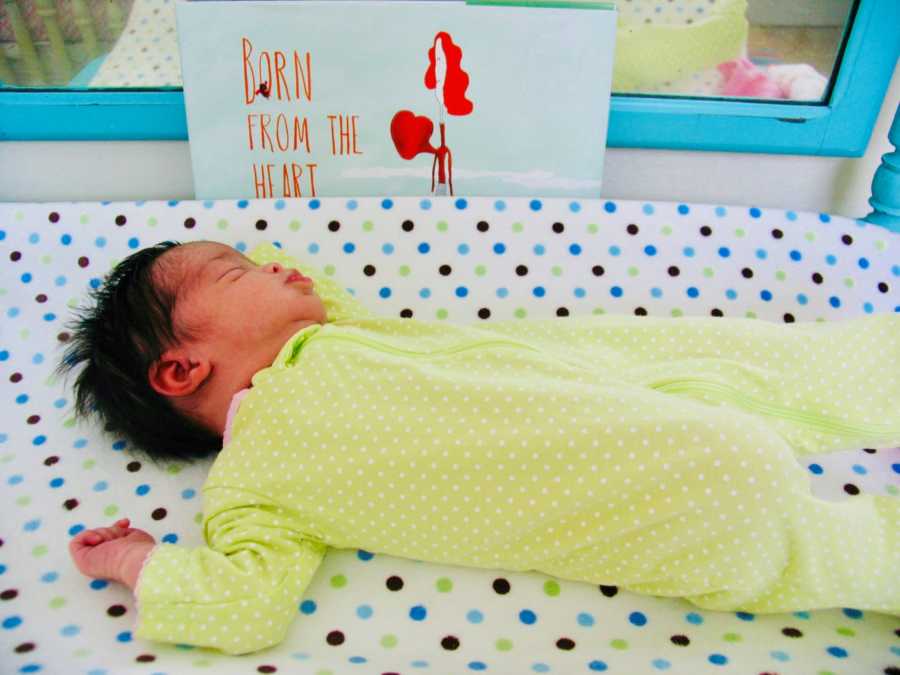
(731, 294)
(32, 525)
(170, 538)
(22, 398)
(745, 616)
(527, 617)
(119, 445)
(424, 247)
(683, 209)
(585, 619)
(425, 293)
(242, 204)
(824, 217)
(94, 283)
(385, 292)
(364, 611)
(308, 606)
(895, 270)
(425, 204)
(535, 204)
(816, 469)
(2, 235)
(502, 292)
(721, 211)
(60, 280)
(70, 630)
(755, 212)
(868, 308)
(796, 255)
(357, 659)
(853, 613)
(49, 316)
(761, 253)
(539, 249)
(780, 656)
(208, 204)
(279, 205)
(419, 664)
(499, 249)
(661, 664)
(724, 251)
(650, 250)
(50, 577)
(540, 667)
(863, 263)
(100, 242)
(598, 666)
(80, 443)
(100, 486)
(314, 204)
(66, 239)
(579, 292)
(837, 652)
(896, 467)
(802, 615)
(34, 238)
(858, 469)
(387, 249)
(656, 292)
(609, 207)
(688, 251)
(718, 659)
(2, 569)
(141, 490)
(57, 482)
(766, 295)
(12, 312)
(349, 247)
(802, 299)
(124, 636)
(418, 613)
(834, 301)
(693, 291)
(189, 493)
(694, 618)
(616, 291)
(500, 205)
(134, 242)
(461, 203)
(11, 622)
(26, 278)
(474, 616)
(574, 207)
(98, 584)
(477, 665)
(37, 358)
(461, 291)
(791, 215)
(614, 250)
(15, 479)
(637, 618)
(648, 209)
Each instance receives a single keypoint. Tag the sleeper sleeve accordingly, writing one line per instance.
(339, 303)
(238, 594)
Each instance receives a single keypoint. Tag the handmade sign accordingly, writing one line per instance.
(343, 97)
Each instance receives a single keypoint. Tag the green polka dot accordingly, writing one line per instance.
(739, 232)
(46, 259)
(329, 270)
(324, 672)
(151, 221)
(3, 291)
(7, 457)
(849, 632)
(294, 225)
(480, 270)
(825, 672)
(202, 663)
(848, 282)
(598, 310)
(551, 587)
(677, 312)
(810, 236)
(708, 272)
(880, 244)
(173, 469)
(198, 518)
(619, 644)
(338, 581)
(520, 313)
(404, 270)
(367, 226)
(69, 423)
(503, 645)
(24, 333)
(750, 315)
(633, 271)
(593, 228)
(556, 270)
(57, 602)
(821, 319)
(892, 490)
(442, 226)
(39, 550)
(85, 219)
(82, 652)
(19, 215)
(444, 585)
(389, 641)
(72, 303)
(732, 637)
(111, 510)
(666, 230)
(88, 464)
(222, 224)
(442, 314)
(517, 227)
(24, 500)
(781, 276)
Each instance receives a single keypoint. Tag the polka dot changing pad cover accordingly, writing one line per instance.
(448, 259)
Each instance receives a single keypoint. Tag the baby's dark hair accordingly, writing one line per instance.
(125, 329)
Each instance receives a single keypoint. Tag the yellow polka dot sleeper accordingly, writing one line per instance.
(656, 454)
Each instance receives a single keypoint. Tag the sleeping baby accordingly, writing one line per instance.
(655, 454)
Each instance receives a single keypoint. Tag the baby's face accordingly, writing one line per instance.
(223, 295)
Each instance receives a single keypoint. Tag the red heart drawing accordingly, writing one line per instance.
(411, 134)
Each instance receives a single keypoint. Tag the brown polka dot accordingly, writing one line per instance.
(133, 466)
(267, 669)
(15, 256)
(792, 632)
(158, 514)
(84, 261)
(121, 220)
(51, 460)
(24, 647)
(15, 377)
(116, 610)
(53, 217)
(33, 419)
(609, 591)
(189, 223)
(40, 297)
(261, 224)
(63, 337)
(680, 640)
(565, 643)
(450, 642)
(335, 638)
(145, 658)
(70, 504)
(9, 594)
(851, 489)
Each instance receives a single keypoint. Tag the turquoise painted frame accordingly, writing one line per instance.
(839, 128)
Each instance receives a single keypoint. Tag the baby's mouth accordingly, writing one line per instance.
(296, 276)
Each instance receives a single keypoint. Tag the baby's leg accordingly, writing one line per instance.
(725, 518)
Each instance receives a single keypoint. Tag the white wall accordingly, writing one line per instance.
(127, 171)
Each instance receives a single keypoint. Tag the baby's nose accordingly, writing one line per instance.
(274, 267)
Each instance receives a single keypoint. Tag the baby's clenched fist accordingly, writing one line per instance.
(114, 553)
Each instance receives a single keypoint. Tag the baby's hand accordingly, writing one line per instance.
(114, 553)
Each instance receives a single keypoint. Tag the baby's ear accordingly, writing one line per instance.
(177, 374)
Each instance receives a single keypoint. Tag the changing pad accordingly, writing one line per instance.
(450, 259)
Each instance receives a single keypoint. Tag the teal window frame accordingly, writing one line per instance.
(840, 127)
